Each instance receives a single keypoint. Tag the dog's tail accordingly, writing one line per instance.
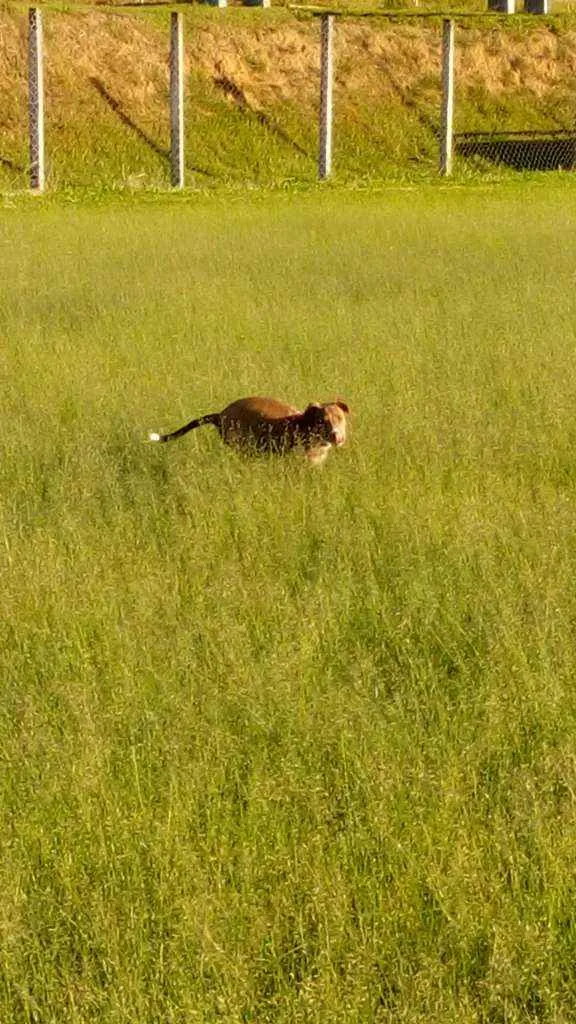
(213, 417)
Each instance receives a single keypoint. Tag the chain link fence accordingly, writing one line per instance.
(371, 97)
(515, 98)
(466, 95)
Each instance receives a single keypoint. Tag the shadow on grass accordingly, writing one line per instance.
(523, 151)
(229, 88)
(11, 165)
(410, 103)
(116, 106)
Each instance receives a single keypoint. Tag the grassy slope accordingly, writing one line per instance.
(280, 745)
(107, 103)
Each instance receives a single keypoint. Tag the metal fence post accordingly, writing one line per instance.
(326, 86)
(447, 112)
(177, 99)
(36, 99)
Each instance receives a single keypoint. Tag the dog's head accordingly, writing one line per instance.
(326, 424)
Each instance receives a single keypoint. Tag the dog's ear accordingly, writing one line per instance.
(342, 405)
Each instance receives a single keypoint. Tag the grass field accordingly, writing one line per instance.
(283, 745)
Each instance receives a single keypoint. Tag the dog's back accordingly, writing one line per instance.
(263, 422)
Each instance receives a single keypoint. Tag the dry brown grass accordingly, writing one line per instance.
(270, 63)
(537, 61)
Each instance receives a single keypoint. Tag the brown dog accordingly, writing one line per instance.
(266, 425)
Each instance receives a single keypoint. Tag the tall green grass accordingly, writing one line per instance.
(276, 744)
